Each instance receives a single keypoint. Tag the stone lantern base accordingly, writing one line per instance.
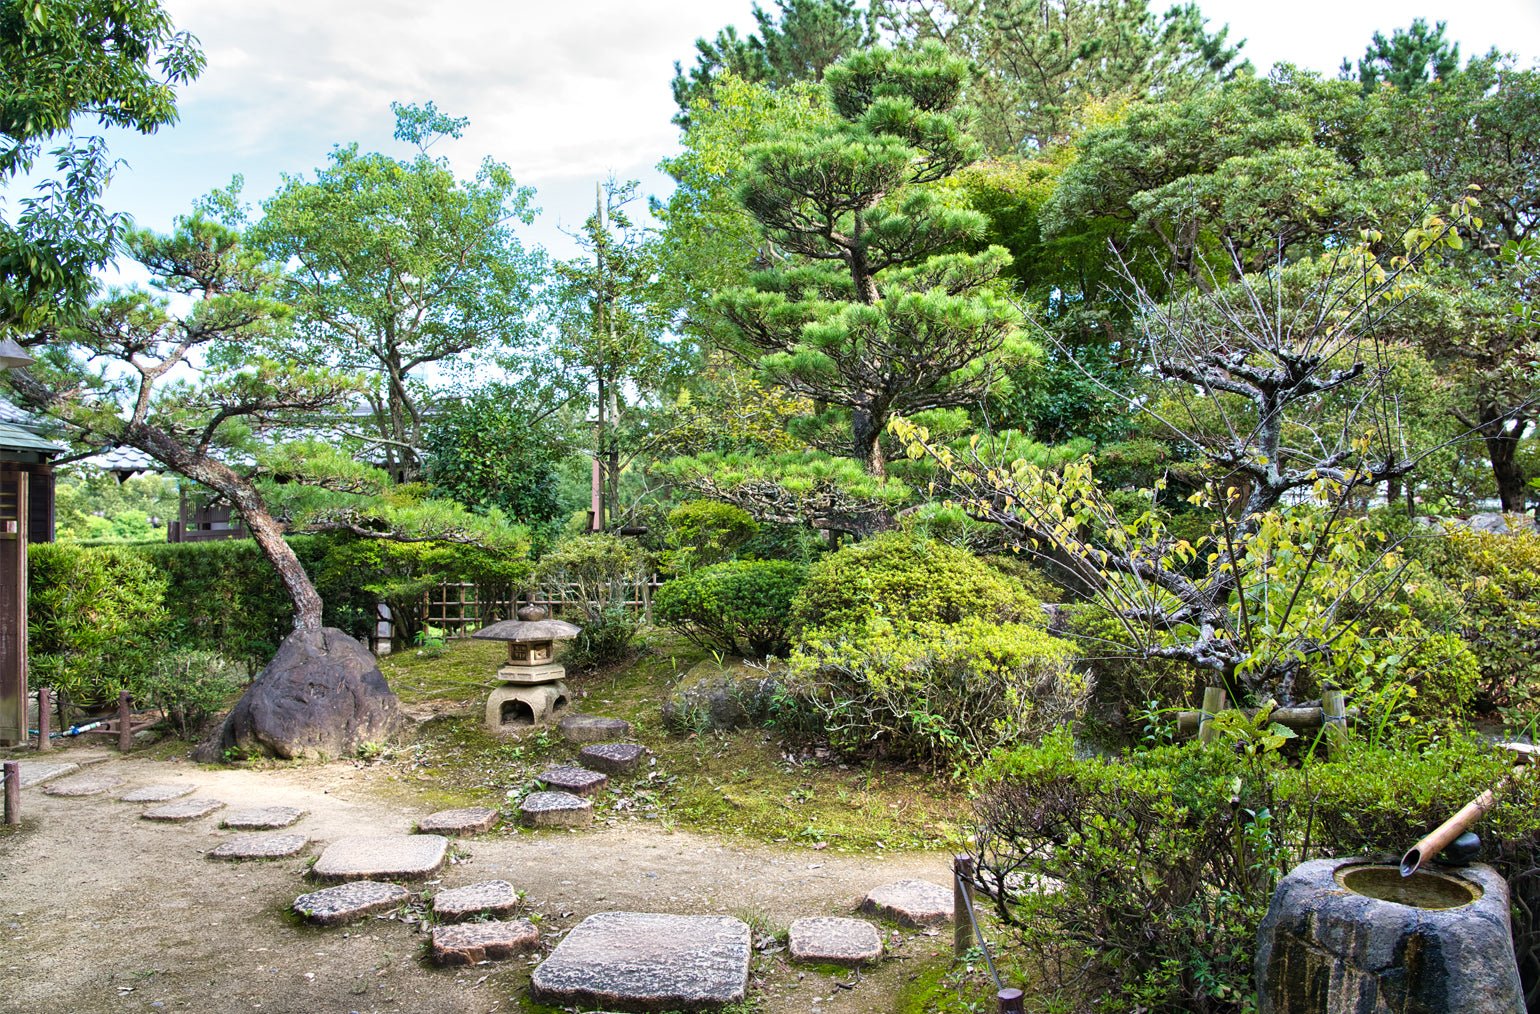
(514, 708)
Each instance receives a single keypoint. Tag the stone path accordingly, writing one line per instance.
(182, 810)
(490, 897)
(260, 846)
(382, 857)
(157, 793)
(460, 823)
(88, 783)
(344, 903)
(556, 809)
(915, 903)
(470, 943)
(262, 818)
(825, 940)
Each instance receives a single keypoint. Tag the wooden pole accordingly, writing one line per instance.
(125, 723)
(1213, 704)
(13, 792)
(1012, 1001)
(962, 905)
(44, 719)
(14, 699)
(1334, 717)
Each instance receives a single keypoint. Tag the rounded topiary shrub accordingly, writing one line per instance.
(704, 532)
(741, 608)
(901, 579)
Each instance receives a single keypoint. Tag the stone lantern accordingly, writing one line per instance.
(533, 692)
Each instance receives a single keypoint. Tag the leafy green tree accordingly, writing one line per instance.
(796, 42)
(1409, 59)
(92, 504)
(1041, 65)
(61, 61)
(398, 265)
(876, 312)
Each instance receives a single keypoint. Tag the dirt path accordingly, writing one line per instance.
(103, 911)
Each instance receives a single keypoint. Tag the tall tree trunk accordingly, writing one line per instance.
(1501, 433)
(866, 429)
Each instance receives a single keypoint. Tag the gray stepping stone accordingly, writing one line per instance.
(613, 758)
(382, 857)
(260, 846)
(917, 903)
(826, 940)
(469, 943)
(346, 902)
(592, 729)
(632, 961)
(88, 784)
(34, 772)
(495, 897)
(459, 823)
(182, 810)
(556, 809)
(157, 793)
(578, 781)
(262, 818)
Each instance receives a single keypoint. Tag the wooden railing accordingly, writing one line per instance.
(456, 607)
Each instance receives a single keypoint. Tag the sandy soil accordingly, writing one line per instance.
(103, 911)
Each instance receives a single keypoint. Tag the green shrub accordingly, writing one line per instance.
(899, 579)
(1420, 673)
(1124, 680)
(706, 532)
(190, 686)
(603, 640)
(938, 693)
(592, 574)
(742, 608)
(97, 619)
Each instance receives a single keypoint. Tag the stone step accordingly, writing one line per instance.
(182, 810)
(556, 809)
(489, 897)
(262, 818)
(469, 943)
(382, 857)
(35, 772)
(334, 906)
(828, 940)
(592, 728)
(89, 783)
(613, 758)
(573, 779)
(163, 793)
(459, 823)
(914, 903)
(259, 846)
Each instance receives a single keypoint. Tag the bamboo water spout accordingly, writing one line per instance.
(1439, 839)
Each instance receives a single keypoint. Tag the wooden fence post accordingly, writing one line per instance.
(1012, 1001)
(125, 723)
(13, 792)
(1213, 704)
(44, 719)
(962, 905)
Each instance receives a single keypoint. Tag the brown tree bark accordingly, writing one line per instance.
(1501, 432)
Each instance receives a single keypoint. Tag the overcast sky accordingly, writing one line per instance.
(565, 92)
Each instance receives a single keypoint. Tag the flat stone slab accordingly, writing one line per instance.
(613, 758)
(495, 897)
(34, 772)
(260, 846)
(346, 902)
(382, 857)
(157, 793)
(88, 784)
(262, 818)
(556, 809)
(576, 780)
(917, 903)
(459, 823)
(634, 961)
(182, 810)
(592, 728)
(469, 943)
(826, 940)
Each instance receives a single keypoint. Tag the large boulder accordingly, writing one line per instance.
(714, 697)
(321, 696)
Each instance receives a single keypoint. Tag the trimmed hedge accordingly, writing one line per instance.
(742, 608)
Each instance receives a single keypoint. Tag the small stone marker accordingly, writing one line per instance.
(262, 818)
(260, 846)
(157, 793)
(88, 784)
(346, 902)
(183, 810)
(614, 758)
(636, 961)
(592, 729)
(832, 941)
(576, 780)
(469, 943)
(556, 809)
(917, 903)
(383, 857)
(33, 771)
(495, 897)
(459, 823)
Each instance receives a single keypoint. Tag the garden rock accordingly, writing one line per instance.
(459, 823)
(592, 729)
(263, 818)
(917, 903)
(711, 698)
(469, 943)
(382, 857)
(260, 846)
(494, 897)
(88, 784)
(833, 941)
(631, 961)
(321, 696)
(157, 793)
(346, 902)
(576, 780)
(183, 810)
(613, 758)
(556, 809)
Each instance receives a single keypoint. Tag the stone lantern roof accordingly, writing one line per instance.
(532, 625)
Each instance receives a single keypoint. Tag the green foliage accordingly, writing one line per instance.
(593, 574)
(938, 693)
(190, 686)
(743, 607)
(1123, 678)
(707, 532)
(897, 580)
(604, 640)
(1408, 60)
(97, 620)
(93, 505)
